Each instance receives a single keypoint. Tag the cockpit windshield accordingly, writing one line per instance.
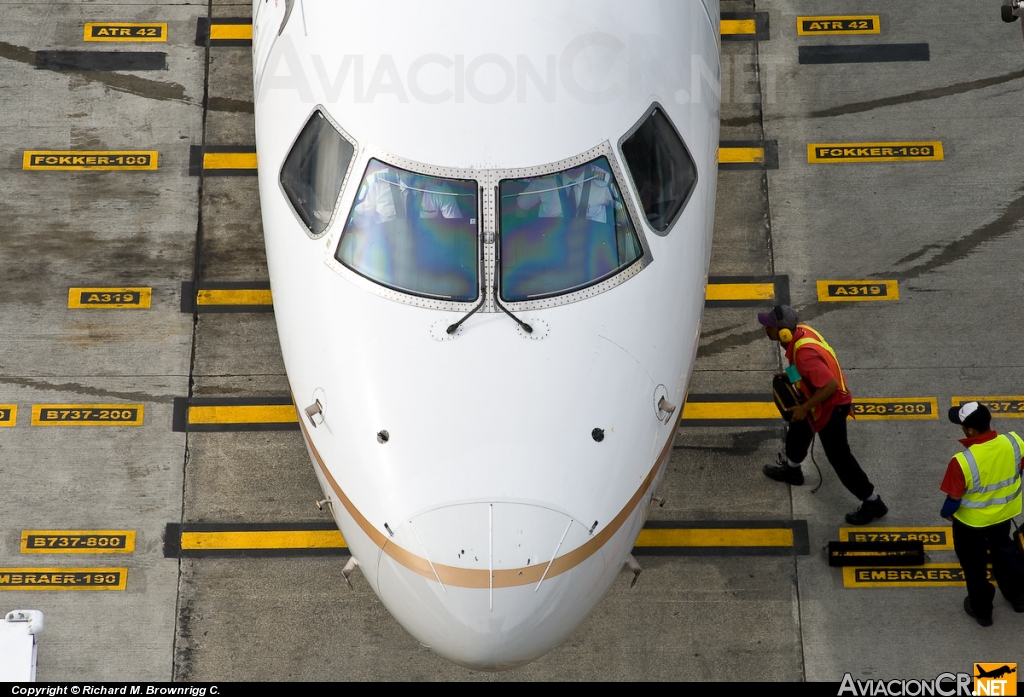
(562, 232)
(414, 233)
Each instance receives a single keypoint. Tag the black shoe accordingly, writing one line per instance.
(970, 611)
(782, 472)
(1018, 606)
(868, 511)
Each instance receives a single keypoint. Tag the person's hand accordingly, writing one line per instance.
(798, 413)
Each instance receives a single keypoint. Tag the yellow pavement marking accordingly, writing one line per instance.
(264, 539)
(21, 579)
(715, 537)
(83, 160)
(229, 160)
(77, 541)
(818, 153)
(740, 155)
(740, 291)
(126, 31)
(934, 538)
(896, 408)
(924, 576)
(246, 296)
(1005, 407)
(230, 31)
(109, 298)
(332, 539)
(838, 24)
(244, 31)
(737, 26)
(242, 414)
(87, 414)
(730, 410)
(8, 415)
(857, 291)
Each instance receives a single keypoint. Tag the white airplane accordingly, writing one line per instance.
(488, 230)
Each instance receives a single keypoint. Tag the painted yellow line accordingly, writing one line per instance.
(252, 296)
(924, 576)
(740, 291)
(838, 24)
(230, 31)
(243, 414)
(83, 160)
(729, 27)
(824, 153)
(109, 298)
(857, 291)
(77, 541)
(740, 155)
(8, 415)
(730, 410)
(1005, 407)
(63, 579)
(87, 414)
(126, 31)
(222, 32)
(273, 539)
(332, 539)
(934, 538)
(229, 160)
(715, 537)
(896, 408)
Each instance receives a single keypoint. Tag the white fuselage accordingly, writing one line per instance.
(491, 521)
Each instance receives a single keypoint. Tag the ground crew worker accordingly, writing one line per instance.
(982, 486)
(826, 405)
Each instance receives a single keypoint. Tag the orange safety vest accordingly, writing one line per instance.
(807, 338)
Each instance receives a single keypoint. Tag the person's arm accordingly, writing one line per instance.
(953, 486)
(949, 507)
(801, 411)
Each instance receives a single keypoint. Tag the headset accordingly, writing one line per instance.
(785, 335)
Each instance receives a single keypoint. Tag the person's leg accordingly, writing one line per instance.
(837, 450)
(969, 545)
(1007, 567)
(798, 441)
(788, 470)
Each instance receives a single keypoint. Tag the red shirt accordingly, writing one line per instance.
(815, 373)
(954, 483)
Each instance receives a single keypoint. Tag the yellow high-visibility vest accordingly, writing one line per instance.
(992, 474)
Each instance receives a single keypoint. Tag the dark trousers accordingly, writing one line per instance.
(837, 450)
(975, 547)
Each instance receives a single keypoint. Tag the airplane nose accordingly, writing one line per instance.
(492, 585)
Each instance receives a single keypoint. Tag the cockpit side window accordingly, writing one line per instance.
(563, 232)
(663, 171)
(414, 233)
(314, 172)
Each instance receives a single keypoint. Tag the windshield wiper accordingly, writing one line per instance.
(497, 267)
(526, 327)
(452, 328)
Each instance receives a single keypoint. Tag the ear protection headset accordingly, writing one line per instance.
(785, 335)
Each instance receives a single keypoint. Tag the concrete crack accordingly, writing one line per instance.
(919, 96)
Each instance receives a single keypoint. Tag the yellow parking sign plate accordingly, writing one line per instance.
(857, 291)
(144, 32)
(1005, 407)
(825, 153)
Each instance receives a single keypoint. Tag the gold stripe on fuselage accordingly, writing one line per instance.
(481, 578)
